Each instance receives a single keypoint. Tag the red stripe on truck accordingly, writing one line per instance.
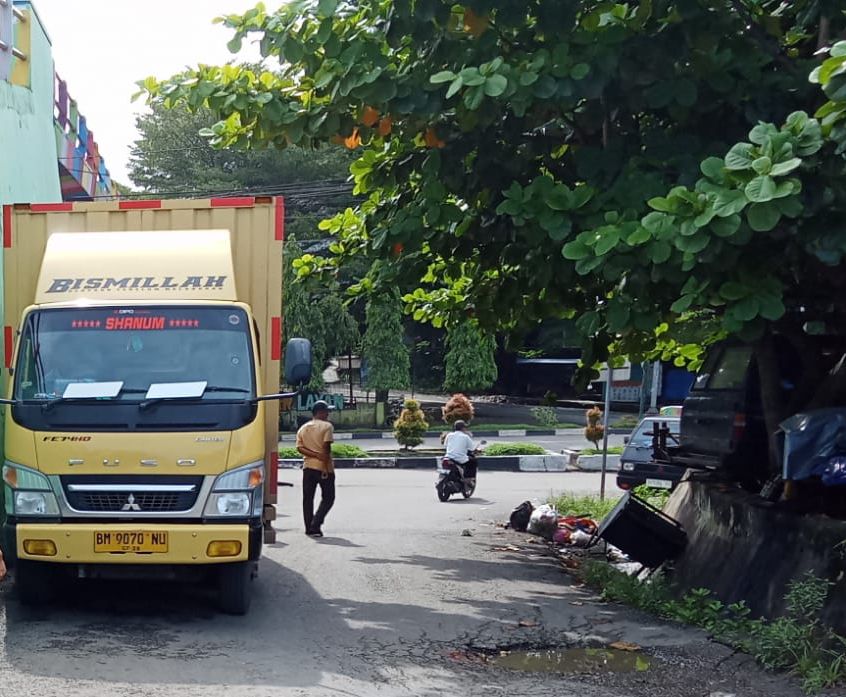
(51, 207)
(275, 338)
(139, 205)
(233, 202)
(7, 226)
(9, 344)
(280, 218)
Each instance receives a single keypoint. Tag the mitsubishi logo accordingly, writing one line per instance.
(130, 504)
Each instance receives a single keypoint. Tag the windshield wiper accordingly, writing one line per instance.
(147, 403)
(48, 405)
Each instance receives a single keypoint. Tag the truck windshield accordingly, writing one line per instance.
(643, 436)
(133, 348)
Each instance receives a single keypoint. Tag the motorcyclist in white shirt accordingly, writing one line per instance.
(460, 448)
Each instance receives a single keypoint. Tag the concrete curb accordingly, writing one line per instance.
(504, 433)
(504, 463)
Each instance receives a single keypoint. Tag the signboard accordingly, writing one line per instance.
(305, 401)
(625, 392)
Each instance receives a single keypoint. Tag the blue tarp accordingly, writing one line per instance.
(815, 446)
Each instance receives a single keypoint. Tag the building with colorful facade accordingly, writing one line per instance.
(48, 152)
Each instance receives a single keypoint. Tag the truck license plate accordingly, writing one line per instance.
(659, 483)
(130, 541)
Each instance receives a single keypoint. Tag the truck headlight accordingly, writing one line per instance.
(235, 494)
(628, 466)
(27, 492)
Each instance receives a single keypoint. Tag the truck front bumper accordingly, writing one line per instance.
(176, 544)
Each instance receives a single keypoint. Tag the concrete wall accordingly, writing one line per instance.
(742, 548)
(28, 158)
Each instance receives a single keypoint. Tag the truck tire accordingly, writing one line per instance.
(234, 587)
(34, 582)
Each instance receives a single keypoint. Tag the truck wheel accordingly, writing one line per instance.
(34, 582)
(234, 587)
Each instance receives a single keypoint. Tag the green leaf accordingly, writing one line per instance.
(454, 86)
(771, 307)
(660, 251)
(443, 76)
(576, 250)
(639, 236)
(528, 78)
(713, 168)
(761, 189)
(763, 217)
(729, 202)
(618, 315)
(664, 205)
(746, 309)
(731, 291)
(327, 8)
(558, 198)
(588, 323)
(608, 239)
(682, 304)
(495, 85)
(473, 97)
(791, 207)
(545, 87)
(659, 224)
(579, 71)
(762, 165)
(741, 156)
(781, 168)
(725, 227)
(563, 227)
(234, 44)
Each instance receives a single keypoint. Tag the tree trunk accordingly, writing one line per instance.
(772, 398)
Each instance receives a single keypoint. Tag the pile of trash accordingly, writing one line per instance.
(562, 530)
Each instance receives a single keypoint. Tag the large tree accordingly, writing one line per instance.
(383, 347)
(470, 359)
(649, 169)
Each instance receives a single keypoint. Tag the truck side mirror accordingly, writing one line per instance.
(626, 440)
(297, 362)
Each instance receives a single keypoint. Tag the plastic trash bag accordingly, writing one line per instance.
(543, 521)
(520, 516)
(835, 472)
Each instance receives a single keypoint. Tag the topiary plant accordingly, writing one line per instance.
(411, 425)
(595, 430)
(458, 408)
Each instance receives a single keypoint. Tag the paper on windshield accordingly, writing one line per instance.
(176, 390)
(92, 390)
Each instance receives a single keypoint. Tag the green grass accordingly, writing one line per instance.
(627, 421)
(338, 450)
(514, 449)
(613, 450)
(591, 506)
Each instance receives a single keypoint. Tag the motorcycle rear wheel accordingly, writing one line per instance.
(469, 489)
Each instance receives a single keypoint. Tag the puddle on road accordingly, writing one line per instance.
(573, 661)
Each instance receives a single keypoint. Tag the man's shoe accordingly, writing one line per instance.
(314, 533)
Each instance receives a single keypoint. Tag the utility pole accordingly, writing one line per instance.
(608, 384)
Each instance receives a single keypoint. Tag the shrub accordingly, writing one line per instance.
(594, 430)
(458, 408)
(515, 449)
(338, 450)
(545, 416)
(411, 425)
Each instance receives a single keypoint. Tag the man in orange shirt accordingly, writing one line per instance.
(314, 442)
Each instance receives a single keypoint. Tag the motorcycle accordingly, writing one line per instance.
(456, 478)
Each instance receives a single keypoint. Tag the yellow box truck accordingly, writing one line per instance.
(141, 426)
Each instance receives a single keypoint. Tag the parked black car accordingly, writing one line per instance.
(637, 464)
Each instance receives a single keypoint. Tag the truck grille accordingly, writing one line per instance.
(128, 495)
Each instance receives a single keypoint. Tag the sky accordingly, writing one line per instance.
(102, 47)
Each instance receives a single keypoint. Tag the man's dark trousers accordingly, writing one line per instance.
(311, 480)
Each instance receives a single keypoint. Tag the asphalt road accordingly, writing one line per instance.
(394, 601)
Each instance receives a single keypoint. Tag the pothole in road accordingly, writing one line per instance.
(573, 660)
